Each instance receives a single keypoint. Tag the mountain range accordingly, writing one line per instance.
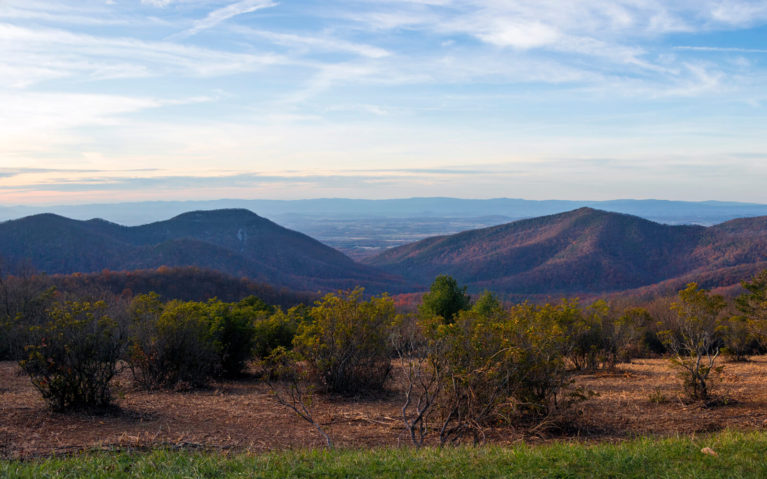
(234, 241)
(580, 252)
(362, 228)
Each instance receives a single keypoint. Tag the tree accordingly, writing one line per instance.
(487, 304)
(445, 299)
(290, 386)
(693, 338)
(422, 378)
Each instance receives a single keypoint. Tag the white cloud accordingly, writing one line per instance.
(225, 13)
(35, 55)
(315, 43)
(739, 12)
(519, 35)
(720, 49)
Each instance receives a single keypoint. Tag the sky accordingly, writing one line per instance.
(128, 100)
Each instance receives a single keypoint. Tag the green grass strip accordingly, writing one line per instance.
(741, 455)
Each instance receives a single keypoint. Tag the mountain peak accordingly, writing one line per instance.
(218, 214)
(582, 250)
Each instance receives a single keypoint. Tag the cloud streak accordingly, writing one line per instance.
(720, 49)
(223, 14)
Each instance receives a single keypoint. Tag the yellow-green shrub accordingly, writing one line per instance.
(347, 342)
(72, 358)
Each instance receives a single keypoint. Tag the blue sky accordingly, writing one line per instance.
(126, 100)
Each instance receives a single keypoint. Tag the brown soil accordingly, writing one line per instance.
(242, 415)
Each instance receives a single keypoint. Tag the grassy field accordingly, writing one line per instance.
(740, 455)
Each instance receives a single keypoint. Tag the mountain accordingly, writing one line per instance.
(363, 228)
(234, 241)
(581, 251)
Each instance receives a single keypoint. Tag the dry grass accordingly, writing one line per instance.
(628, 401)
(242, 415)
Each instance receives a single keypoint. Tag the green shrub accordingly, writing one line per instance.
(539, 339)
(189, 342)
(234, 333)
(73, 357)
(503, 367)
(694, 338)
(585, 345)
(275, 331)
(172, 344)
(347, 343)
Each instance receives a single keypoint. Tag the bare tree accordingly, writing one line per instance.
(290, 387)
(421, 380)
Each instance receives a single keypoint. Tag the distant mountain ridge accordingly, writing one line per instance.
(581, 251)
(139, 213)
(235, 241)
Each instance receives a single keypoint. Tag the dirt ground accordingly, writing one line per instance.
(637, 399)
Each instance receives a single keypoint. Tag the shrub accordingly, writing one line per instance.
(234, 332)
(539, 337)
(189, 342)
(24, 302)
(74, 355)
(630, 334)
(586, 333)
(753, 305)
(581, 340)
(739, 337)
(694, 338)
(346, 343)
(275, 331)
(502, 367)
(172, 344)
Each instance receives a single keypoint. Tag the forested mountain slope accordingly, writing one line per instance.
(581, 251)
(236, 241)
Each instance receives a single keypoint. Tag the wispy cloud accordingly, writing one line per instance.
(314, 42)
(720, 49)
(157, 3)
(32, 55)
(225, 13)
